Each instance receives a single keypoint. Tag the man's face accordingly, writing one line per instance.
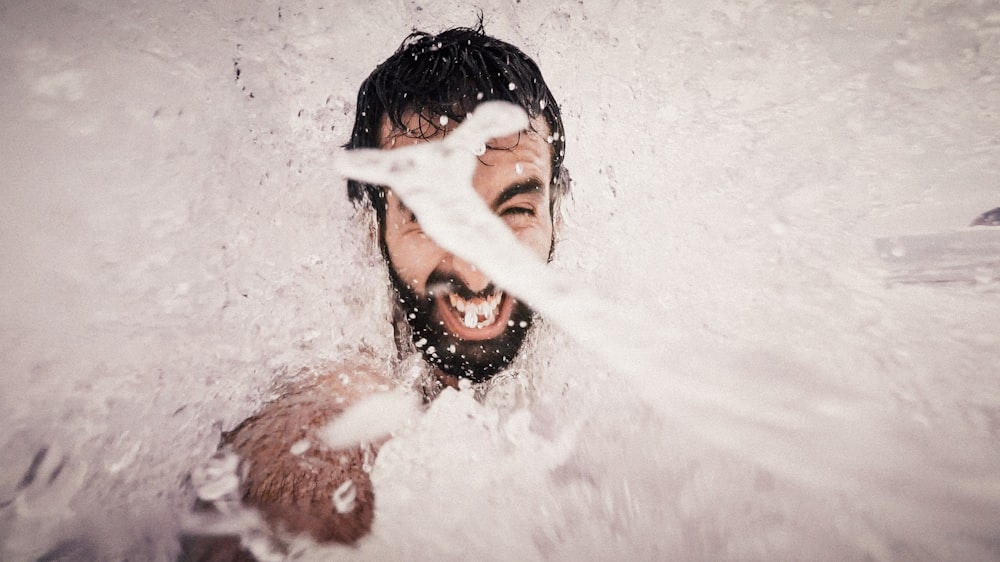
(460, 321)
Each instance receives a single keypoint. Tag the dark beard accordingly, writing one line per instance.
(477, 360)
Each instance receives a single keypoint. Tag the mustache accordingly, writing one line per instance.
(444, 281)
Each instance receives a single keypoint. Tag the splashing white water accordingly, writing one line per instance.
(173, 243)
(807, 433)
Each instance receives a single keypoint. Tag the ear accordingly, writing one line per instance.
(556, 215)
(558, 191)
(556, 210)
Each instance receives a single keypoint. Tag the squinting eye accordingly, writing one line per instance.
(512, 211)
(518, 217)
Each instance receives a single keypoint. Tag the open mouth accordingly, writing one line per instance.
(477, 318)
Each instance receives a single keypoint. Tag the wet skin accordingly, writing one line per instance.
(463, 323)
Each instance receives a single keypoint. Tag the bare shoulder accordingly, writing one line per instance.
(298, 482)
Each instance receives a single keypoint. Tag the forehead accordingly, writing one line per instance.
(534, 144)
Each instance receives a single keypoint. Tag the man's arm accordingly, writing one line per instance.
(297, 482)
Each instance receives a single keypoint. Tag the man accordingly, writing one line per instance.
(463, 325)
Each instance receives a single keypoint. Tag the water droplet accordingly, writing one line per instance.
(519, 168)
(511, 87)
(344, 496)
(443, 120)
(299, 447)
(480, 150)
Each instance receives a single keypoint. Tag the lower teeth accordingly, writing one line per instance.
(470, 317)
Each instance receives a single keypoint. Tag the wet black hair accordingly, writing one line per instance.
(447, 75)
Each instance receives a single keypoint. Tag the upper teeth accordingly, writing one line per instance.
(473, 309)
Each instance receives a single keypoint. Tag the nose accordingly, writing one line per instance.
(469, 274)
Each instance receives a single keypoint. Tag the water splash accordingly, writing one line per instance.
(793, 419)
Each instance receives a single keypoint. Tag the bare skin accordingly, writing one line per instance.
(294, 489)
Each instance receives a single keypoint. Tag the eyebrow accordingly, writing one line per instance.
(531, 185)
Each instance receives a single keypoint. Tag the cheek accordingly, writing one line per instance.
(413, 257)
(537, 237)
